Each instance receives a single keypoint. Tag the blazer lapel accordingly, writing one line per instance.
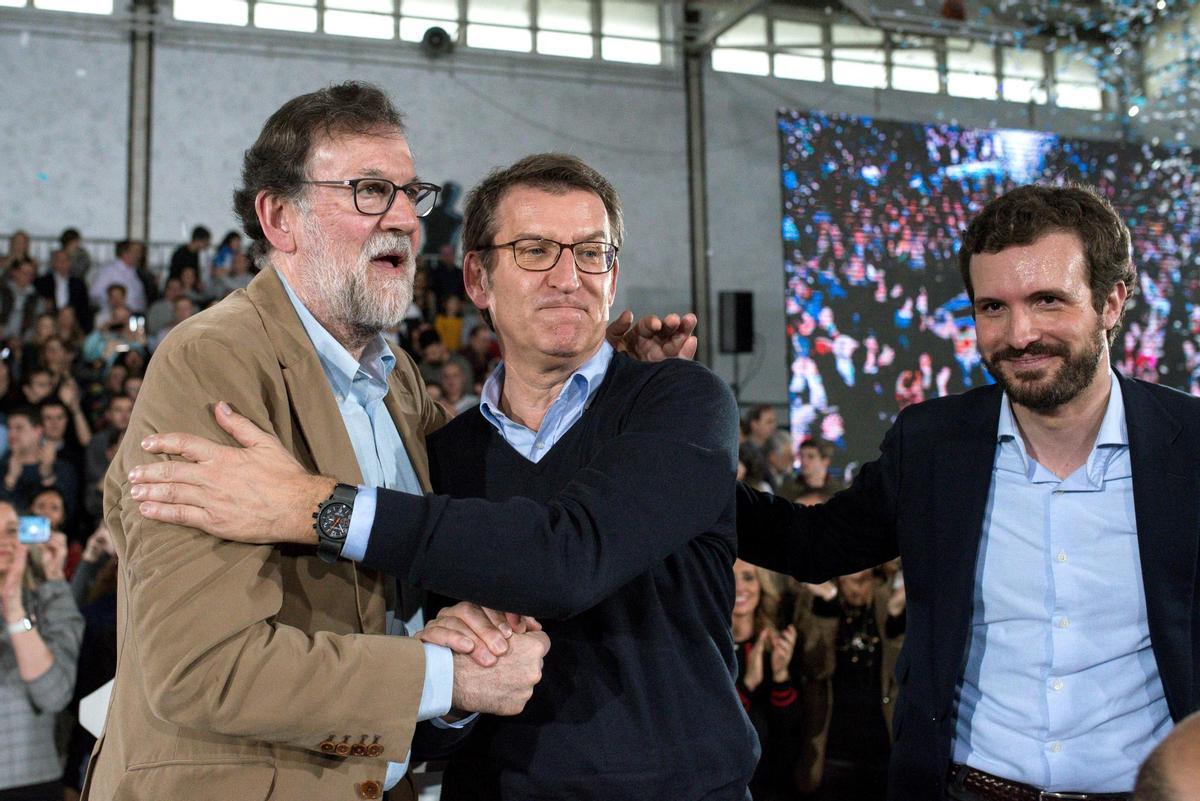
(1168, 533)
(314, 411)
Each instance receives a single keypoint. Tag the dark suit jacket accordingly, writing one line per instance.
(925, 499)
(77, 297)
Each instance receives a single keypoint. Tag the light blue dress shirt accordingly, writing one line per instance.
(563, 413)
(359, 388)
(1060, 689)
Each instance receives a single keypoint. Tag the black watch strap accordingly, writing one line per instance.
(332, 527)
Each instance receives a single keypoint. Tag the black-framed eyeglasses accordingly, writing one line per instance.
(375, 196)
(539, 255)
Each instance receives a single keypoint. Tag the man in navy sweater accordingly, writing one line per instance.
(587, 489)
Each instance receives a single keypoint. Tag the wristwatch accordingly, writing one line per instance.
(333, 522)
(20, 626)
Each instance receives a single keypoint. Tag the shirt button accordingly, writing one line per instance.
(1063, 622)
(539, 445)
(1062, 556)
(1056, 747)
(1058, 684)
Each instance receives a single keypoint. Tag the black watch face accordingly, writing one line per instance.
(334, 520)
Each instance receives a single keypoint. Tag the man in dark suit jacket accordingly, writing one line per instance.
(1048, 527)
(60, 289)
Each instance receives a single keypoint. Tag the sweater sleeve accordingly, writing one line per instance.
(664, 479)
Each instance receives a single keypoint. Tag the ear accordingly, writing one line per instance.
(278, 219)
(475, 279)
(1113, 304)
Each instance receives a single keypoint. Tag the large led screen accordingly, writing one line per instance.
(877, 317)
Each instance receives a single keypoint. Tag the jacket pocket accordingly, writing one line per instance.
(246, 780)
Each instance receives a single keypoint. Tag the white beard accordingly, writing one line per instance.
(344, 287)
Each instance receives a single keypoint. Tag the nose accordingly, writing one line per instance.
(1022, 329)
(401, 217)
(563, 275)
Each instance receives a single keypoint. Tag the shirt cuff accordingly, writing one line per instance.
(361, 520)
(437, 693)
(442, 723)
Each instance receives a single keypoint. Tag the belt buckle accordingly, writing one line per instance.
(1044, 795)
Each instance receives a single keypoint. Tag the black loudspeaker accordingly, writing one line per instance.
(736, 314)
(436, 42)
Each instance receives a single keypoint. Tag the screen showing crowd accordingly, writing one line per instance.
(877, 317)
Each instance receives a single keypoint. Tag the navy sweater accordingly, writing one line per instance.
(621, 540)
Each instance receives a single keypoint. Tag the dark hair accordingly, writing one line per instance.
(229, 238)
(556, 173)
(824, 447)
(756, 412)
(277, 162)
(68, 236)
(1025, 214)
(30, 413)
(201, 233)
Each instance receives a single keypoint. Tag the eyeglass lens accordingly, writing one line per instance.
(542, 254)
(372, 196)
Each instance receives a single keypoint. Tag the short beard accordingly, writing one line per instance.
(1063, 386)
(341, 285)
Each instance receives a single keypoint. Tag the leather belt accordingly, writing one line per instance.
(994, 788)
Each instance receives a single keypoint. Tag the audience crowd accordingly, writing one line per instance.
(75, 339)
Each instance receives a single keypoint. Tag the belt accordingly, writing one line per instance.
(994, 788)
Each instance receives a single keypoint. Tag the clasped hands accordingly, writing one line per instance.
(497, 656)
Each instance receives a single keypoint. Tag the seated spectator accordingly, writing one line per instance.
(236, 276)
(38, 656)
(863, 628)
(131, 386)
(54, 357)
(230, 246)
(38, 385)
(31, 465)
(67, 430)
(115, 306)
(162, 311)
(123, 270)
(434, 355)
(192, 287)
(61, 287)
(446, 276)
(49, 503)
(70, 330)
(760, 423)
(184, 308)
(71, 242)
(815, 458)
(100, 452)
(765, 679)
(481, 352)
(18, 301)
(780, 468)
(455, 391)
(103, 346)
(449, 322)
(189, 255)
(18, 250)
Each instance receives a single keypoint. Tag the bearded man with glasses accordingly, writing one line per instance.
(251, 672)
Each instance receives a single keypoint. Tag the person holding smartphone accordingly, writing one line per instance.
(38, 654)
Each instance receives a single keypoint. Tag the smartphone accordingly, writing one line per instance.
(137, 323)
(33, 529)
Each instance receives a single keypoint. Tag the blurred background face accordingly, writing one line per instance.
(453, 382)
(118, 412)
(8, 537)
(39, 387)
(23, 435)
(50, 506)
(54, 422)
(857, 588)
(746, 588)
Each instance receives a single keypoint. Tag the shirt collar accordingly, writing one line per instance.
(1113, 433)
(340, 367)
(583, 382)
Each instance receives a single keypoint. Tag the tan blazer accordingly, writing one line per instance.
(243, 671)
